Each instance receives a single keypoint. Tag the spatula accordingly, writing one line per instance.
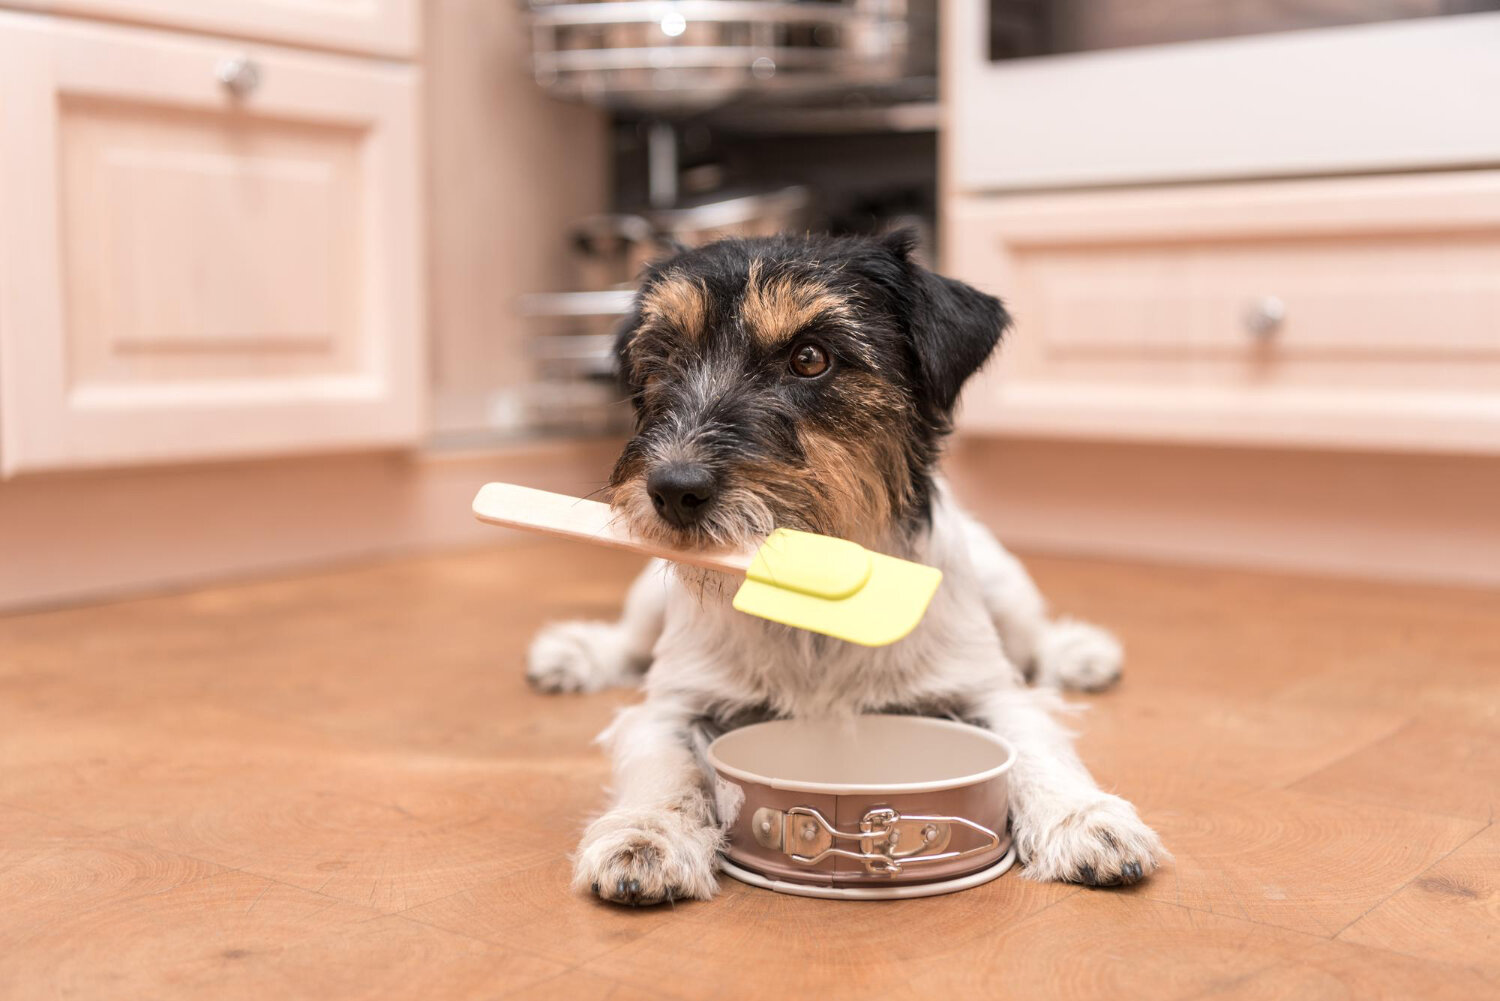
(813, 582)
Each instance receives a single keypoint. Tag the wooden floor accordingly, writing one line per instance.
(338, 786)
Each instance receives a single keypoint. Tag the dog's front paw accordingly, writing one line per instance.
(578, 657)
(1073, 654)
(647, 857)
(1103, 843)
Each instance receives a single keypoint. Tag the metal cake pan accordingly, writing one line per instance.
(872, 806)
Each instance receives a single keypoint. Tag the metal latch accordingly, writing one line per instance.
(888, 839)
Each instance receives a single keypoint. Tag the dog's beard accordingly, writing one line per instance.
(739, 517)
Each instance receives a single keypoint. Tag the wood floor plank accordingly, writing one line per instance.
(1429, 765)
(1109, 945)
(580, 985)
(1337, 971)
(751, 943)
(1451, 912)
(234, 935)
(404, 654)
(388, 830)
(1253, 635)
(529, 910)
(1163, 748)
(1421, 664)
(1294, 860)
(1441, 692)
(373, 834)
(50, 869)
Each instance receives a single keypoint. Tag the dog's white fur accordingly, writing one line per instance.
(987, 622)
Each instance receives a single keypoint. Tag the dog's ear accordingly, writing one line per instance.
(954, 327)
(624, 377)
(669, 250)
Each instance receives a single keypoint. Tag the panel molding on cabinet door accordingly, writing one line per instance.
(1345, 313)
(187, 274)
(379, 27)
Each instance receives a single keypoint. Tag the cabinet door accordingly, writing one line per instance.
(383, 27)
(187, 272)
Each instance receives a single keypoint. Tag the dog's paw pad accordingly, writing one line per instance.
(1103, 844)
(1079, 656)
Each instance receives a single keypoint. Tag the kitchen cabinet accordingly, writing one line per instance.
(208, 248)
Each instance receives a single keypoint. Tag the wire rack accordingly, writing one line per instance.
(682, 56)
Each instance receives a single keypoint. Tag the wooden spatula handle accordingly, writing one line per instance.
(587, 521)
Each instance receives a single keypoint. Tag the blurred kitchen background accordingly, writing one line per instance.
(283, 281)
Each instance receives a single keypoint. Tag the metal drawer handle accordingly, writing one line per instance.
(240, 75)
(884, 837)
(1264, 316)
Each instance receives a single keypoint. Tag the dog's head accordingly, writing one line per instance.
(797, 382)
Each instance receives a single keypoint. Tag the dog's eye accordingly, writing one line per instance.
(809, 361)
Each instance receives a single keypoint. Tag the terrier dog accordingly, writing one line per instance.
(807, 382)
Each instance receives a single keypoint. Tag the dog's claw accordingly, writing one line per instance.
(595, 888)
(627, 891)
(1130, 872)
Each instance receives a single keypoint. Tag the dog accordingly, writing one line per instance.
(808, 382)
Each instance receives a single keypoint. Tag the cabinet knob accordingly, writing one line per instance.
(1264, 316)
(240, 75)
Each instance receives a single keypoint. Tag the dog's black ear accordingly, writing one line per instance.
(624, 377)
(954, 327)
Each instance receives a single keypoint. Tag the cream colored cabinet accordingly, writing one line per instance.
(207, 249)
(1357, 312)
(381, 27)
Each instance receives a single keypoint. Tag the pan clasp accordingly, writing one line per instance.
(888, 839)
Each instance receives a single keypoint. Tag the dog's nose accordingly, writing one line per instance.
(681, 493)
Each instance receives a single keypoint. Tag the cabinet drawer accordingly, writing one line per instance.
(1360, 312)
(381, 27)
(1409, 296)
(190, 273)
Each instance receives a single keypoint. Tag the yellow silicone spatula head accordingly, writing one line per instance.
(836, 587)
(799, 579)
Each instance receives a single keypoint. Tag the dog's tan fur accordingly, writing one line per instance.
(678, 302)
(776, 308)
(860, 496)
